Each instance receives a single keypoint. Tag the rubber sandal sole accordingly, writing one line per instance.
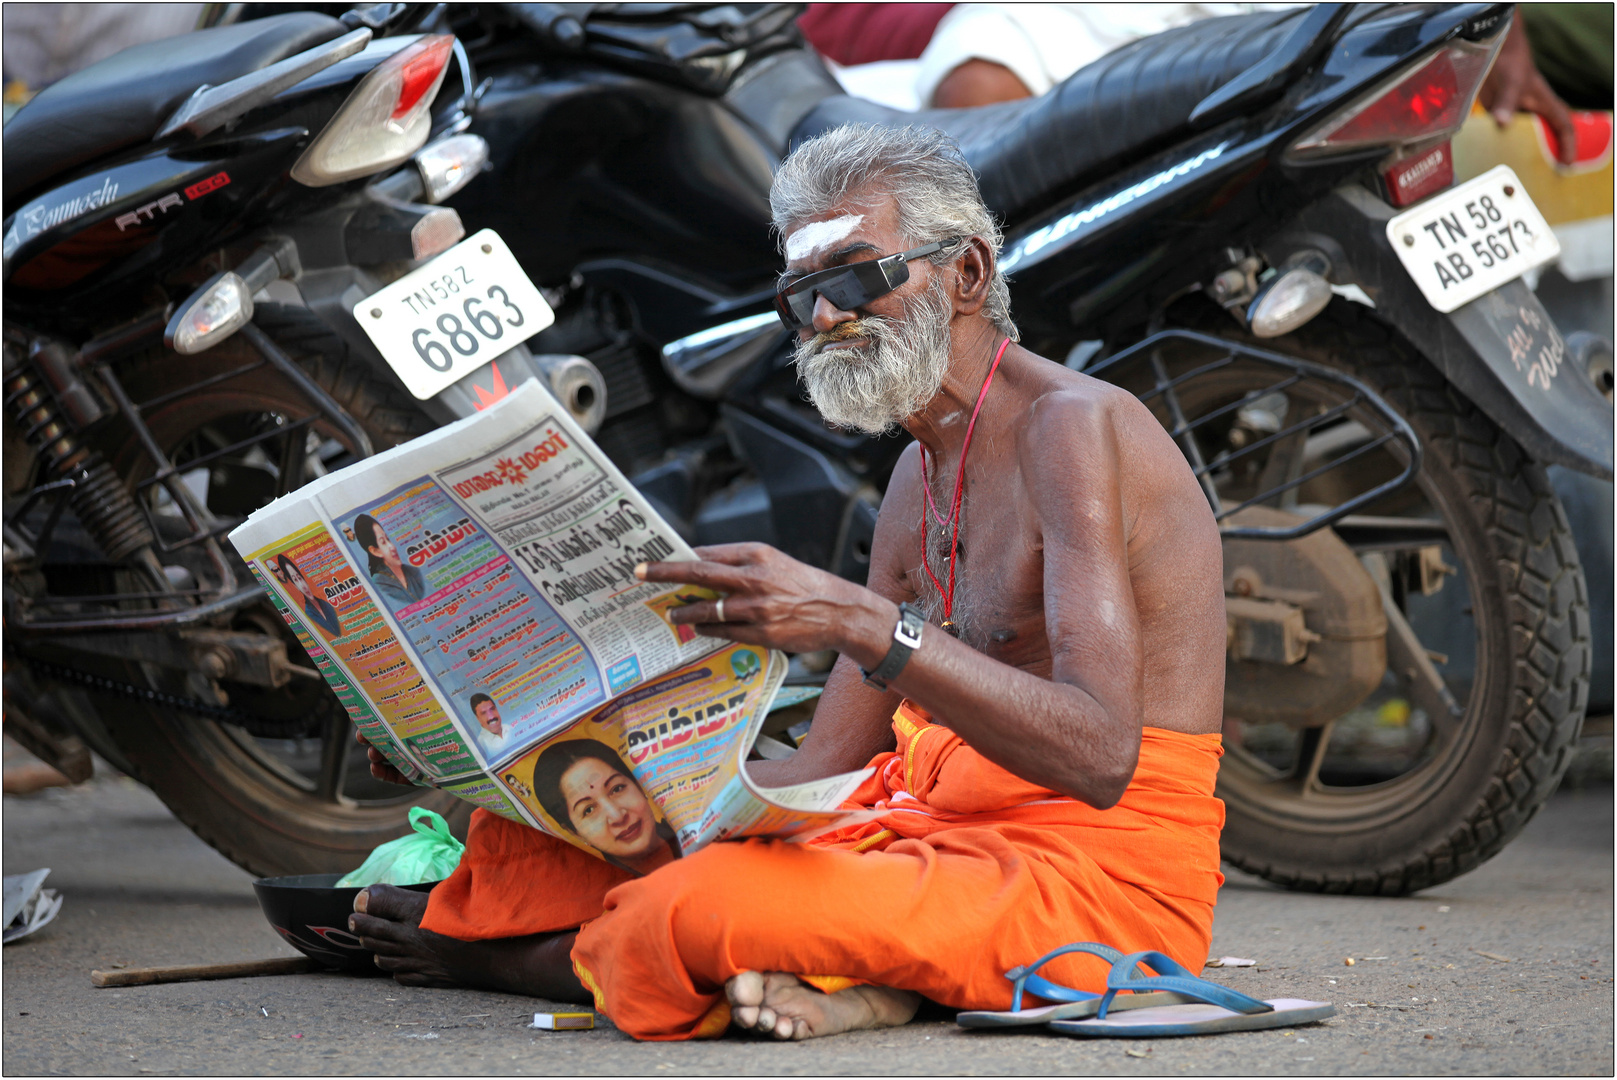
(1170, 1020)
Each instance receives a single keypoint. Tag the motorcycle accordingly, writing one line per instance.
(1212, 218)
(151, 402)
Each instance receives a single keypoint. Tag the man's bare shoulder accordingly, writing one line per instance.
(904, 486)
(1082, 434)
(1076, 414)
(890, 548)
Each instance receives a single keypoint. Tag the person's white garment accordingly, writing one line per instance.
(886, 82)
(1042, 44)
(492, 745)
(45, 42)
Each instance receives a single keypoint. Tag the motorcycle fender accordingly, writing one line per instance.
(1502, 350)
(139, 219)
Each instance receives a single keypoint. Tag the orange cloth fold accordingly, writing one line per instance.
(514, 880)
(967, 872)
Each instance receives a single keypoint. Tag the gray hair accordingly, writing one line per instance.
(925, 172)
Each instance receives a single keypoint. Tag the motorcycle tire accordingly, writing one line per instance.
(217, 778)
(1525, 706)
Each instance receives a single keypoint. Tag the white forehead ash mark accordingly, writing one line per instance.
(817, 235)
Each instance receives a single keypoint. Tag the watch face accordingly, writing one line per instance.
(910, 623)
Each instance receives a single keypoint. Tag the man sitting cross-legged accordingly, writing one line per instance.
(1044, 760)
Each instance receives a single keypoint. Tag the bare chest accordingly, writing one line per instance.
(986, 578)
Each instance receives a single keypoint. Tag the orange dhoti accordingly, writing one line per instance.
(966, 872)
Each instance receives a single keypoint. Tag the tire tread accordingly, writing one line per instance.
(1552, 657)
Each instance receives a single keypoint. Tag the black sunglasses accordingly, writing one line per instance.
(849, 287)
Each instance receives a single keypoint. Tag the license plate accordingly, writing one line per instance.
(437, 324)
(1472, 239)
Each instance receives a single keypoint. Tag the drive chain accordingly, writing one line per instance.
(260, 726)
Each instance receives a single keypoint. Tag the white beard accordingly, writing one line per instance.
(888, 380)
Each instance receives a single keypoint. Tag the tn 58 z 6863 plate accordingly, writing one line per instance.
(1472, 239)
(442, 321)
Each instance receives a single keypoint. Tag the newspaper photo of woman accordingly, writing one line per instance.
(584, 785)
(315, 608)
(401, 584)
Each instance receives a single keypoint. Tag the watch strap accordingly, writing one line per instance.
(906, 639)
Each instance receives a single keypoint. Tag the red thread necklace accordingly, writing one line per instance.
(954, 511)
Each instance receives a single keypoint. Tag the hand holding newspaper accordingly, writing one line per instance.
(470, 597)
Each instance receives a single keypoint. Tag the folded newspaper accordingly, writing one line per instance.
(470, 597)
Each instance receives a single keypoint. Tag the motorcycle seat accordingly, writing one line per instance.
(124, 99)
(1134, 100)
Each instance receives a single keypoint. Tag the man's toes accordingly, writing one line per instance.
(390, 954)
(384, 947)
(747, 988)
(800, 1030)
(767, 1018)
(744, 992)
(784, 1026)
(391, 902)
(779, 982)
(369, 926)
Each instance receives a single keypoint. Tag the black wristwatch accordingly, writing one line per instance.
(906, 639)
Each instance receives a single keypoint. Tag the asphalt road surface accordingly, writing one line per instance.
(1506, 970)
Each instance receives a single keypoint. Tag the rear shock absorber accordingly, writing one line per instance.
(99, 499)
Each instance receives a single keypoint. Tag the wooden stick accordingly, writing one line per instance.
(281, 965)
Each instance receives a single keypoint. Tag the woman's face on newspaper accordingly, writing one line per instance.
(296, 579)
(384, 548)
(608, 810)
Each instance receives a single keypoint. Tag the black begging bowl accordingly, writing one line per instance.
(311, 913)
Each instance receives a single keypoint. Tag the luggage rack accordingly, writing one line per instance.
(1354, 404)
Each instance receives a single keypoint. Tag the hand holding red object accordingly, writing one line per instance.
(1515, 84)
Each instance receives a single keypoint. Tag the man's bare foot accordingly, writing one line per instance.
(388, 922)
(782, 1005)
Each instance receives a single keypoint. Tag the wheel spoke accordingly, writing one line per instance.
(1311, 746)
(1408, 658)
(336, 742)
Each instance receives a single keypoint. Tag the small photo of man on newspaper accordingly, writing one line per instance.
(315, 609)
(491, 734)
(398, 582)
(585, 787)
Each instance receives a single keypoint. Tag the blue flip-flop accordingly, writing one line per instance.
(1071, 1004)
(1211, 1009)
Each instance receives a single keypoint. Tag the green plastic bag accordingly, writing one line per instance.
(428, 854)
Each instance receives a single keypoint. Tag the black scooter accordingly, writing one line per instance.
(1212, 217)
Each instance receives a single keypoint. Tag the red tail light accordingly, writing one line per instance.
(385, 120)
(1428, 100)
(421, 65)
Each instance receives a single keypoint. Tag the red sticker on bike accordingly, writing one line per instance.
(202, 187)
